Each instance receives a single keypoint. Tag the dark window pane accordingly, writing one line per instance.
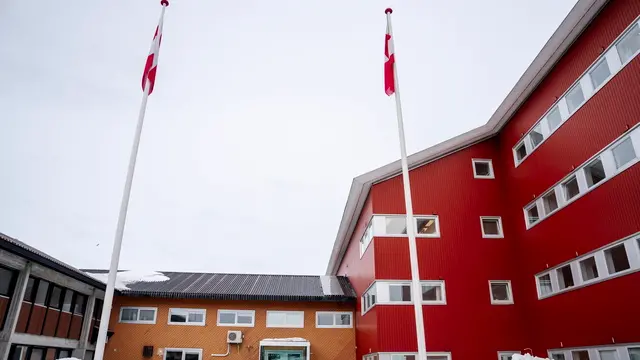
(491, 226)
(600, 73)
(426, 226)
(179, 318)
(400, 292)
(6, 281)
(565, 277)
(78, 308)
(499, 292)
(589, 269)
(173, 355)
(97, 309)
(550, 202)
(54, 300)
(482, 168)
(36, 354)
(68, 299)
(29, 293)
(147, 315)
(617, 259)
(544, 282)
(580, 355)
(532, 213)
(343, 319)
(18, 352)
(594, 172)
(189, 356)
(571, 188)
(536, 137)
(554, 118)
(431, 293)
(129, 315)
(521, 152)
(41, 294)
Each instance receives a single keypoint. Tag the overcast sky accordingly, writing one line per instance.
(262, 114)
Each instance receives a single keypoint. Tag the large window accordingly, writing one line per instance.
(500, 292)
(7, 281)
(138, 315)
(285, 319)
(236, 318)
(187, 316)
(334, 319)
(400, 292)
(182, 354)
(384, 292)
(629, 45)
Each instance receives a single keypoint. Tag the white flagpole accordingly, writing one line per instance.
(122, 219)
(416, 288)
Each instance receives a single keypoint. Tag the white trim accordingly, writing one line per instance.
(286, 315)
(188, 311)
(507, 353)
(487, 161)
(334, 313)
(622, 350)
(380, 229)
(606, 158)
(155, 315)
(382, 293)
(588, 91)
(184, 352)
(509, 301)
(236, 324)
(500, 234)
(283, 343)
(368, 230)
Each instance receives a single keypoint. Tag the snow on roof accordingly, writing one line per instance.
(526, 357)
(129, 277)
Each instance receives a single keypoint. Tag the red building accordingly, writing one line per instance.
(528, 227)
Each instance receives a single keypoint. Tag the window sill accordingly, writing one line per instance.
(493, 236)
(334, 326)
(186, 324)
(286, 326)
(137, 322)
(235, 325)
(496, 302)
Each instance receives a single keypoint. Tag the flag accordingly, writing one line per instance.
(152, 60)
(389, 61)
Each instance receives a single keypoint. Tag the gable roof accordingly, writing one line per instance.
(569, 30)
(216, 286)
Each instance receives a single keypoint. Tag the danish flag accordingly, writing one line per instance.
(389, 61)
(151, 66)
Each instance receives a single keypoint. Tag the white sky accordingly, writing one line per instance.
(262, 114)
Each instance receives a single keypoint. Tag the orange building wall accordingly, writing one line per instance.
(128, 339)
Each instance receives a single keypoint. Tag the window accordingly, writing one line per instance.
(554, 118)
(433, 292)
(500, 292)
(589, 269)
(482, 169)
(521, 151)
(544, 284)
(617, 259)
(29, 293)
(236, 317)
(558, 357)
(427, 226)
(68, 300)
(623, 153)
(400, 292)
(182, 354)
(367, 236)
(6, 281)
(570, 188)
(187, 316)
(634, 353)
(507, 355)
(396, 225)
(600, 73)
(594, 172)
(574, 98)
(565, 277)
(629, 44)
(430, 356)
(403, 357)
(36, 354)
(536, 136)
(41, 293)
(491, 227)
(609, 355)
(549, 202)
(369, 298)
(55, 298)
(332, 319)
(138, 315)
(285, 319)
(78, 307)
(580, 355)
(532, 214)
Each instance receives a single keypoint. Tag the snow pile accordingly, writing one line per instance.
(125, 278)
(526, 357)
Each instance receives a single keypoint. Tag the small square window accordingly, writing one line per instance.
(570, 188)
(589, 269)
(550, 202)
(594, 172)
(629, 44)
(617, 259)
(500, 292)
(426, 226)
(558, 357)
(482, 169)
(565, 277)
(432, 292)
(536, 136)
(491, 227)
(396, 225)
(554, 118)
(580, 355)
(600, 73)
(400, 292)
(532, 214)
(623, 153)
(521, 151)
(574, 98)
(544, 284)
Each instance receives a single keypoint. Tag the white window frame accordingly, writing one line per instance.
(507, 353)
(286, 315)
(509, 292)
(368, 230)
(487, 161)
(184, 352)
(401, 283)
(383, 293)
(334, 313)
(622, 351)
(430, 217)
(389, 355)
(188, 311)
(236, 324)
(443, 290)
(371, 289)
(584, 81)
(155, 315)
(500, 234)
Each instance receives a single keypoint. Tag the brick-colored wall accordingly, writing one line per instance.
(129, 339)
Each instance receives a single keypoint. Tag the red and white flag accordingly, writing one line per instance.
(389, 61)
(152, 60)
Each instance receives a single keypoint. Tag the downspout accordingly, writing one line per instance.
(223, 355)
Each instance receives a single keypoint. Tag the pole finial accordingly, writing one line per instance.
(388, 11)
(164, 2)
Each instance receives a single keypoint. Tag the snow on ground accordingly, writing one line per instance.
(125, 278)
(526, 357)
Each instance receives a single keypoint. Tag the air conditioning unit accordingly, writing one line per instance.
(234, 337)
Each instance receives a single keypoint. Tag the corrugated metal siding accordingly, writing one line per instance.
(129, 339)
(361, 274)
(596, 314)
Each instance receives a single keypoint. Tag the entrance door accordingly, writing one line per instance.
(284, 355)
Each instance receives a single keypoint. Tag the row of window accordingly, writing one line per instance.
(407, 356)
(425, 226)
(182, 354)
(383, 292)
(615, 352)
(609, 162)
(617, 259)
(41, 292)
(29, 352)
(244, 318)
(617, 56)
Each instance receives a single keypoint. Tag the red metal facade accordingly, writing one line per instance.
(469, 326)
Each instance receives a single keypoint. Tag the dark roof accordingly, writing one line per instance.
(186, 285)
(17, 247)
